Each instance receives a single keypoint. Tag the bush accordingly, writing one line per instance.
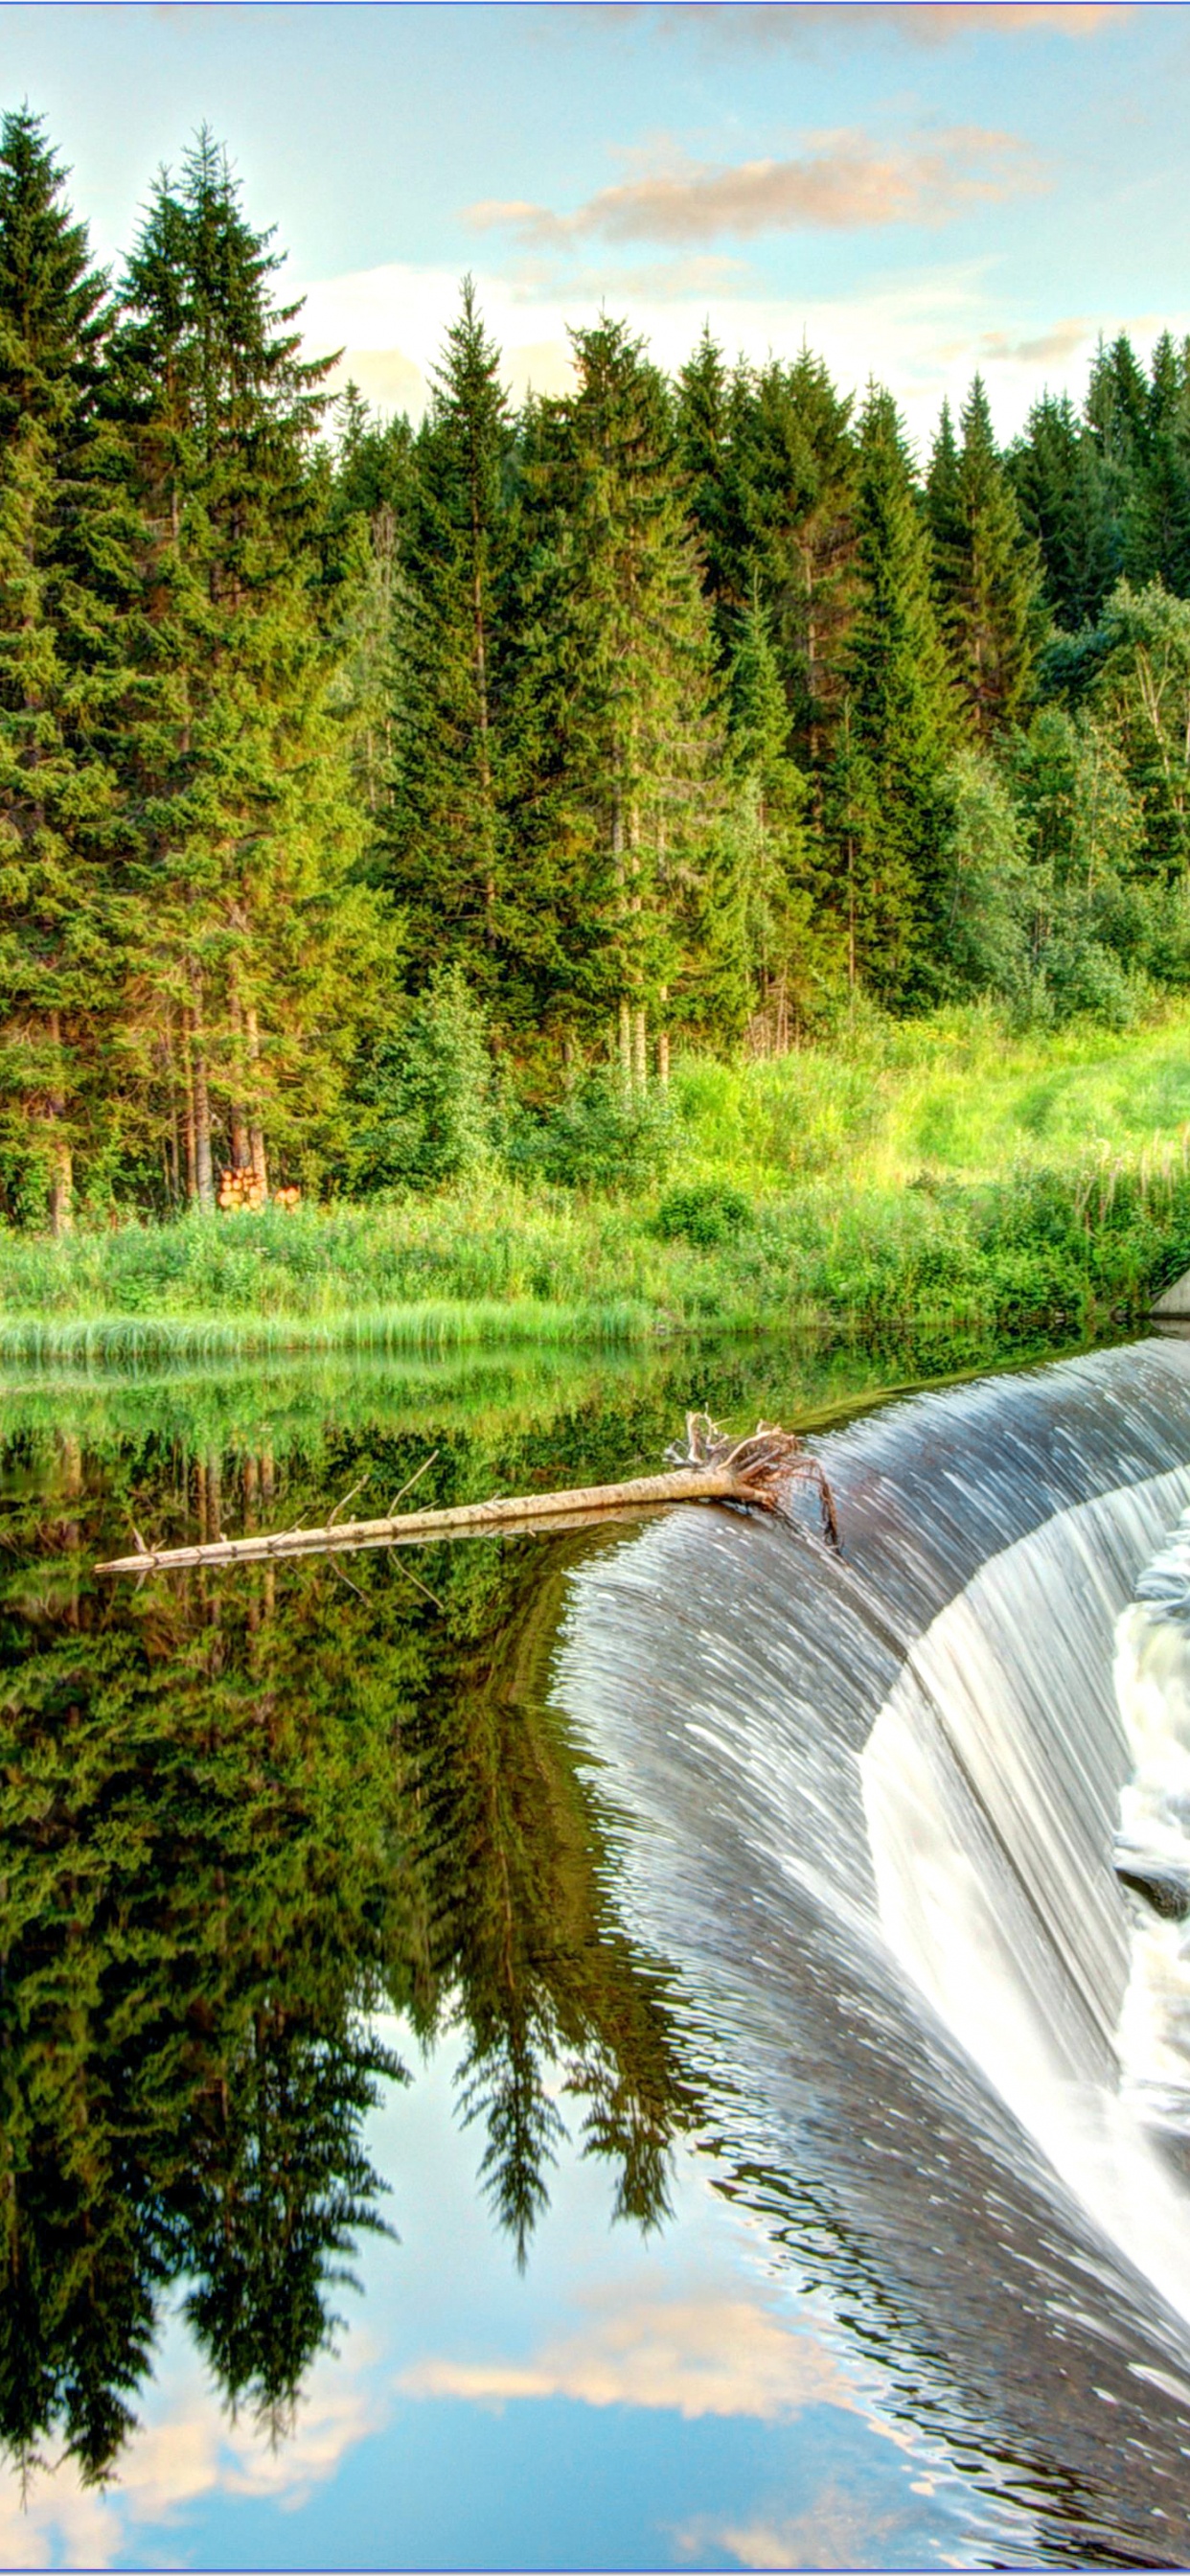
(431, 1111)
(704, 1214)
(602, 1137)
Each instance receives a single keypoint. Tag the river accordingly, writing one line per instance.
(623, 2049)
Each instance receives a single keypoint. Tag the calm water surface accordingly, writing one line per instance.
(364, 2201)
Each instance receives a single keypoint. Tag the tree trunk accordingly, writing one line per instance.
(256, 1150)
(239, 1123)
(204, 1174)
(191, 1154)
(640, 1049)
(62, 1163)
(625, 1043)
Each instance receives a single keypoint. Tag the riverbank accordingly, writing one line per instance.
(938, 1180)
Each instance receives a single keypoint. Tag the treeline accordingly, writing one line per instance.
(354, 777)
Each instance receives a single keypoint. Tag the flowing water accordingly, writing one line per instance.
(821, 1919)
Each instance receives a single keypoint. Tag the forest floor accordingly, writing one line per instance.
(937, 1179)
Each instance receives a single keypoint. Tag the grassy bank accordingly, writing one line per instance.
(938, 1180)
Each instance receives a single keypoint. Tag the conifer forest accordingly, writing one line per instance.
(373, 797)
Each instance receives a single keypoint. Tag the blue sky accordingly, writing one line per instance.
(916, 190)
(660, 2402)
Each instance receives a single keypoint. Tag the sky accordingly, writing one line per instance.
(916, 191)
(669, 2401)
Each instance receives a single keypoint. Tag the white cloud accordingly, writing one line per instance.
(923, 332)
(840, 182)
(708, 2354)
(839, 2529)
(190, 2451)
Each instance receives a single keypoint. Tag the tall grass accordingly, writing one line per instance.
(940, 1178)
(433, 1326)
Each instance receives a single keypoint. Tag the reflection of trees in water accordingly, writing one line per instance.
(237, 1818)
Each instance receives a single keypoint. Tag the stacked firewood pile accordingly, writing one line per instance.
(241, 1187)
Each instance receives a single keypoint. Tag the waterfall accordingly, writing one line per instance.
(871, 1809)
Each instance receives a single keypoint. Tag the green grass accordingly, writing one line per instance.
(940, 1180)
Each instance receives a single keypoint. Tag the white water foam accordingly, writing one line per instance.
(1152, 1674)
(989, 1828)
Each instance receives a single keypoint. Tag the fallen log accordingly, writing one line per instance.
(757, 1471)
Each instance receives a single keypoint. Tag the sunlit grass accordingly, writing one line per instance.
(943, 1178)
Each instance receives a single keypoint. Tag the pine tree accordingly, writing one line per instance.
(448, 834)
(944, 495)
(614, 741)
(1157, 505)
(256, 935)
(59, 672)
(1057, 475)
(884, 810)
(987, 573)
(1116, 420)
(765, 893)
(366, 533)
(796, 467)
(707, 416)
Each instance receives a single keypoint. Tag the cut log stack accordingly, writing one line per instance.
(241, 1187)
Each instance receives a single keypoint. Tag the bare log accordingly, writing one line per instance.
(758, 1471)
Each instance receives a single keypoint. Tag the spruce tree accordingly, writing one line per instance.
(448, 835)
(256, 933)
(709, 406)
(767, 890)
(59, 674)
(366, 533)
(615, 745)
(986, 571)
(1157, 505)
(1057, 475)
(796, 467)
(944, 496)
(884, 810)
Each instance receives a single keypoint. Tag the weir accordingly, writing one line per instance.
(875, 1806)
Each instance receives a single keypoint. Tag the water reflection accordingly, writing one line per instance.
(247, 1817)
(237, 1819)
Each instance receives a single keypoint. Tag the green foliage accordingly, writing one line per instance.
(641, 708)
(601, 1135)
(986, 571)
(986, 888)
(704, 1213)
(616, 740)
(232, 1833)
(885, 814)
(430, 1110)
(447, 840)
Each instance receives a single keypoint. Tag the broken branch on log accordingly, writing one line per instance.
(758, 1471)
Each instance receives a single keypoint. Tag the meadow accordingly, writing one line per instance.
(941, 1179)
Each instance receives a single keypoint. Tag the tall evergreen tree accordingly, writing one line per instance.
(244, 834)
(449, 839)
(766, 900)
(367, 514)
(797, 468)
(1157, 503)
(617, 673)
(884, 809)
(986, 571)
(707, 411)
(59, 671)
(1057, 475)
